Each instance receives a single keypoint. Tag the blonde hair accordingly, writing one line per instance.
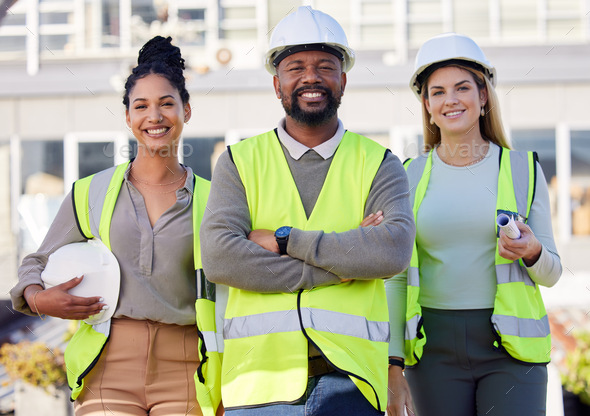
(490, 126)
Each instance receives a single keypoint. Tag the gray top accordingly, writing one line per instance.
(456, 236)
(157, 266)
(315, 258)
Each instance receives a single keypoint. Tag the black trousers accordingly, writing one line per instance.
(461, 374)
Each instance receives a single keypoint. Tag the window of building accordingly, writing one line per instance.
(472, 18)
(424, 8)
(375, 21)
(13, 43)
(54, 29)
(148, 10)
(563, 22)
(94, 157)
(15, 17)
(191, 14)
(541, 141)
(54, 42)
(238, 20)
(42, 166)
(42, 189)
(191, 22)
(201, 153)
(518, 20)
(110, 18)
(57, 18)
(580, 146)
(425, 19)
(580, 186)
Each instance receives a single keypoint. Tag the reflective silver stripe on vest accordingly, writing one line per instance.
(210, 341)
(415, 171)
(261, 324)
(520, 180)
(412, 327)
(521, 327)
(96, 196)
(512, 273)
(103, 328)
(220, 345)
(413, 277)
(318, 319)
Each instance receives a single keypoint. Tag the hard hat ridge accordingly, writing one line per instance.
(306, 30)
(448, 49)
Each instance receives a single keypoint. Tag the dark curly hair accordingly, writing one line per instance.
(158, 56)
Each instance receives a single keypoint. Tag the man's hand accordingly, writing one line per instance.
(527, 247)
(265, 239)
(398, 393)
(372, 219)
(59, 303)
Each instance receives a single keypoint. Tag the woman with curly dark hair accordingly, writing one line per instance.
(147, 212)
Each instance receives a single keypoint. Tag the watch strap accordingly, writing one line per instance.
(282, 242)
(397, 363)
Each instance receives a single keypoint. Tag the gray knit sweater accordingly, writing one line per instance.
(315, 258)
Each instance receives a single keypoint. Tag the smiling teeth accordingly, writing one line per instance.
(312, 94)
(157, 131)
(454, 113)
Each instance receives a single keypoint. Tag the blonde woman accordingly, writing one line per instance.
(477, 335)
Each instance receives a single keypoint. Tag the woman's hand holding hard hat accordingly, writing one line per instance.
(57, 302)
(82, 281)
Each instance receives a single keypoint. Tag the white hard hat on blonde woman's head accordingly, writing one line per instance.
(442, 50)
(102, 276)
(308, 30)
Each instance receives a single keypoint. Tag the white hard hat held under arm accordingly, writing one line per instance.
(441, 49)
(308, 29)
(102, 276)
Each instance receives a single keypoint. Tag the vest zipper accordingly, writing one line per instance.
(340, 370)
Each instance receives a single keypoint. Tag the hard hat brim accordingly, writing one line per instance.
(321, 47)
(420, 77)
(421, 74)
(348, 57)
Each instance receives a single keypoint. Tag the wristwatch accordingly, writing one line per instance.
(282, 236)
(397, 362)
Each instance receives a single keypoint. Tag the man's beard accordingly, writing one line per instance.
(311, 118)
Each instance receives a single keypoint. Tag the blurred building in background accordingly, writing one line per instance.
(63, 64)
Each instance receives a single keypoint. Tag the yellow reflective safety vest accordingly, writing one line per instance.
(94, 199)
(519, 319)
(266, 335)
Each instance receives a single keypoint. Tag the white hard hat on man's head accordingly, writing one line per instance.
(308, 29)
(99, 266)
(444, 49)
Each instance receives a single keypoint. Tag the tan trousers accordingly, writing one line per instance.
(146, 368)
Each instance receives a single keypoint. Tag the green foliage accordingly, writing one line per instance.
(34, 363)
(577, 377)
